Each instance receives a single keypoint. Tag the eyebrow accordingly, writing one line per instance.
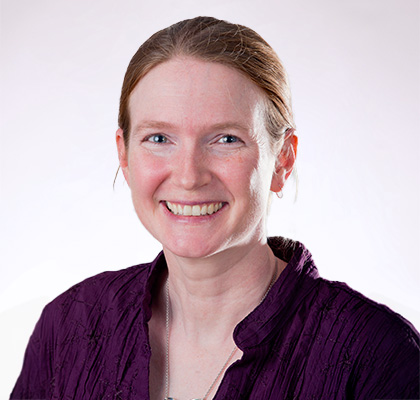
(167, 125)
(152, 124)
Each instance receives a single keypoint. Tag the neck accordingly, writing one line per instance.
(210, 296)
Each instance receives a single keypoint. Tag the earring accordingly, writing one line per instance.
(279, 194)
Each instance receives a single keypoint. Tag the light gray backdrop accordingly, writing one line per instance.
(354, 70)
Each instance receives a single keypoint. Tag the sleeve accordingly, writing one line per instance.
(35, 379)
(390, 365)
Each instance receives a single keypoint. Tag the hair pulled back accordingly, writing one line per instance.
(213, 40)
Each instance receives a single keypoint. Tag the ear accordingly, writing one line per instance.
(122, 154)
(285, 161)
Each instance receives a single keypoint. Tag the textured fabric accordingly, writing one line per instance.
(309, 339)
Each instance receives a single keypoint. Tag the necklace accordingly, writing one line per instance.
(167, 321)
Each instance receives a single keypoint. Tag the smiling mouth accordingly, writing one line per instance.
(194, 210)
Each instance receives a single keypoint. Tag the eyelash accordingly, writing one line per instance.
(156, 135)
(236, 139)
(159, 138)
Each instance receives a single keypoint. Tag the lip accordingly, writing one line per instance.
(191, 203)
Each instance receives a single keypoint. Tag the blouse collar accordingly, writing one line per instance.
(280, 303)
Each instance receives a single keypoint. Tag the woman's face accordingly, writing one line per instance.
(199, 163)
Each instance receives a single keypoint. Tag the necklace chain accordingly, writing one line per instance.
(167, 323)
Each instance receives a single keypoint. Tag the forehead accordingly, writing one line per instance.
(188, 91)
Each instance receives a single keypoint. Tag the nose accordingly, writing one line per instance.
(192, 168)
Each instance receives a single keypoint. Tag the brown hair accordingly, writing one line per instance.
(214, 40)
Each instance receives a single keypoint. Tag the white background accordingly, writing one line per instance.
(354, 68)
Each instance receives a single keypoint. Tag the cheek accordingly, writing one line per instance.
(244, 182)
(145, 174)
(236, 172)
(260, 181)
(249, 173)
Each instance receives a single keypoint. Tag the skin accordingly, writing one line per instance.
(198, 138)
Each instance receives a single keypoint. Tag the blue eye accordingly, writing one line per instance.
(229, 139)
(158, 138)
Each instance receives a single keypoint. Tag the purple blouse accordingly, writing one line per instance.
(309, 339)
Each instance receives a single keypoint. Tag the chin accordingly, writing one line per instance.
(189, 251)
(188, 247)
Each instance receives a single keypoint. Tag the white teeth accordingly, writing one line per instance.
(194, 210)
(171, 207)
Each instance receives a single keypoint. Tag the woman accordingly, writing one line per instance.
(206, 132)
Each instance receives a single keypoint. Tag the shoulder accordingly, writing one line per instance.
(110, 283)
(380, 347)
(339, 300)
(366, 344)
(331, 304)
(99, 312)
(101, 299)
(106, 288)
